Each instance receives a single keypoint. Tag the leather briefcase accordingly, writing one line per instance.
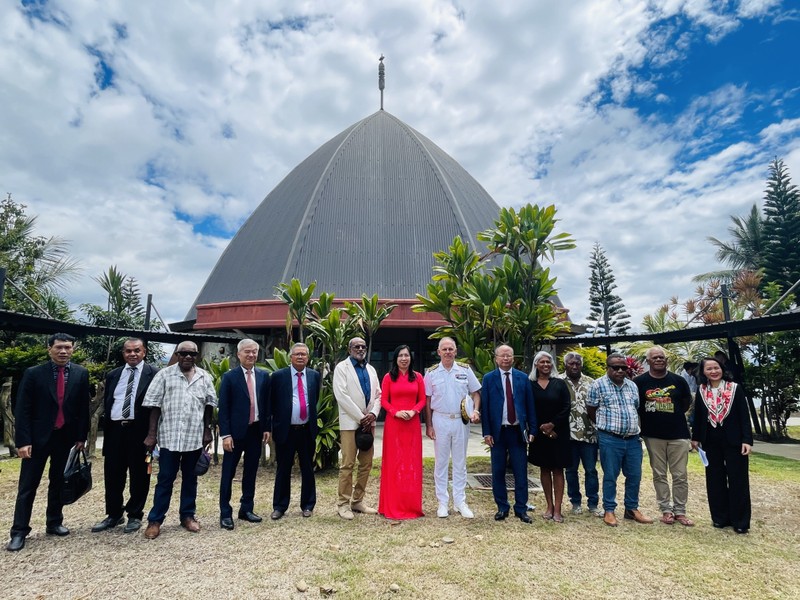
(77, 476)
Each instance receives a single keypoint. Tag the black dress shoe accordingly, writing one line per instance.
(276, 514)
(307, 512)
(16, 543)
(226, 523)
(740, 530)
(58, 530)
(500, 515)
(250, 516)
(720, 525)
(524, 518)
(132, 525)
(107, 523)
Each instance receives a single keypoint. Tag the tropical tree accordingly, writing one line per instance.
(744, 253)
(37, 267)
(369, 315)
(781, 227)
(124, 309)
(503, 296)
(298, 299)
(606, 311)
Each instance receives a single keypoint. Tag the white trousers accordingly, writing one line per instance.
(451, 442)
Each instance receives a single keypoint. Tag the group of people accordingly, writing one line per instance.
(554, 422)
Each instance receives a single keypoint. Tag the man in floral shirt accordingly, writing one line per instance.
(583, 438)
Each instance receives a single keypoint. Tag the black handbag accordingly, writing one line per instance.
(77, 476)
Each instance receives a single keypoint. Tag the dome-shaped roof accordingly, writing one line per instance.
(363, 214)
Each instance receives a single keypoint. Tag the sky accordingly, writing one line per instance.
(147, 132)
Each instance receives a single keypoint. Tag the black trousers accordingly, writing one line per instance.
(301, 443)
(727, 481)
(30, 475)
(124, 451)
(251, 446)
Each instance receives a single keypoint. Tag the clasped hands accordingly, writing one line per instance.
(548, 429)
(406, 415)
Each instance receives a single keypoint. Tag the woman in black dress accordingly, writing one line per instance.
(550, 448)
(722, 428)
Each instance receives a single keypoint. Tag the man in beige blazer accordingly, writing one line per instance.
(358, 394)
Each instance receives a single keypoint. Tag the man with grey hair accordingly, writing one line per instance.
(358, 394)
(583, 438)
(181, 399)
(613, 403)
(446, 386)
(664, 398)
(243, 415)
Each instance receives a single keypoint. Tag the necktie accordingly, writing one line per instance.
(126, 405)
(301, 395)
(251, 389)
(60, 397)
(512, 413)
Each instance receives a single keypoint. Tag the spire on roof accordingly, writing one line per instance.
(381, 77)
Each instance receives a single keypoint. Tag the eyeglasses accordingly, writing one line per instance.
(618, 367)
(185, 353)
(359, 347)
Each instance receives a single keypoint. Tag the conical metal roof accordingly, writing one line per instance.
(363, 214)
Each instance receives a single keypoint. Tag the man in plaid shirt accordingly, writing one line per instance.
(182, 401)
(613, 404)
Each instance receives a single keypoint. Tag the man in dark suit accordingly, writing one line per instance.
(508, 418)
(294, 396)
(51, 415)
(243, 415)
(126, 426)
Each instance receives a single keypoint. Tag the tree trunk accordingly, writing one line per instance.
(95, 412)
(8, 417)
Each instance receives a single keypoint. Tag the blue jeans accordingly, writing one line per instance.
(586, 454)
(618, 455)
(169, 463)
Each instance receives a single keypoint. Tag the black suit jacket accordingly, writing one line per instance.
(281, 402)
(141, 414)
(736, 425)
(37, 407)
(234, 402)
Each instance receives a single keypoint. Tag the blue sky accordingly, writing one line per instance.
(147, 132)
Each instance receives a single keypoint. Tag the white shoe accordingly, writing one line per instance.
(576, 509)
(442, 512)
(465, 511)
(597, 512)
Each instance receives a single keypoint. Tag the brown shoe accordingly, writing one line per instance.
(152, 531)
(636, 515)
(610, 519)
(190, 524)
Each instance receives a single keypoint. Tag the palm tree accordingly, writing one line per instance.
(745, 251)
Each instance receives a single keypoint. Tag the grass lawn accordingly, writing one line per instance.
(581, 558)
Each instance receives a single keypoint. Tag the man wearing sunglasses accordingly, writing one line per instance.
(613, 404)
(182, 400)
(358, 394)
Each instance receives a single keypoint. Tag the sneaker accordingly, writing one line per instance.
(442, 511)
(576, 509)
(465, 511)
(597, 512)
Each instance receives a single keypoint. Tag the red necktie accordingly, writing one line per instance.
(512, 413)
(301, 395)
(251, 389)
(60, 397)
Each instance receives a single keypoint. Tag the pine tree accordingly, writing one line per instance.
(781, 227)
(603, 302)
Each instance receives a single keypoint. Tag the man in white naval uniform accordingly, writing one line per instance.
(446, 385)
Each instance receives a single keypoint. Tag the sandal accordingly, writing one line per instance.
(558, 519)
(547, 516)
(668, 518)
(684, 520)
